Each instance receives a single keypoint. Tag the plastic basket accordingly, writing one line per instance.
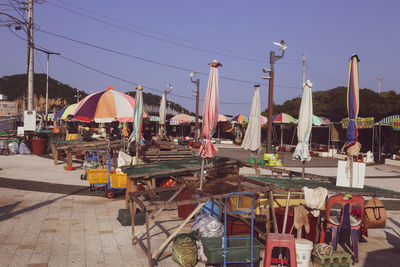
(118, 180)
(238, 249)
(97, 176)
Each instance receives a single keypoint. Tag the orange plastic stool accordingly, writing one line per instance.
(280, 240)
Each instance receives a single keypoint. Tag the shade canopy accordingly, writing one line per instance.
(319, 121)
(263, 120)
(240, 118)
(105, 106)
(252, 138)
(181, 119)
(304, 126)
(283, 118)
(63, 113)
(222, 118)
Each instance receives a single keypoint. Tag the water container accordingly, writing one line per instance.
(303, 252)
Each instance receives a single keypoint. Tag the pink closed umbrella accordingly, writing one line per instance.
(210, 117)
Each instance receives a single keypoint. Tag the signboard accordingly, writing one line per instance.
(8, 108)
(362, 123)
(396, 124)
(29, 120)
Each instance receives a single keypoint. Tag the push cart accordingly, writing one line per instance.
(241, 248)
(102, 178)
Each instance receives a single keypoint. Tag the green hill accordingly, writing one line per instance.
(333, 104)
(15, 86)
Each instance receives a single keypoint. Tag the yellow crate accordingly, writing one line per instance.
(97, 176)
(118, 180)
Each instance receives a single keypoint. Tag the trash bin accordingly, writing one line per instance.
(39, 146)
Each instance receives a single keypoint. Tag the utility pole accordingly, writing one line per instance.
(304, 71)
(380, 84)
(77, 95)
(197, 92)
(272, 59)
(30, 55)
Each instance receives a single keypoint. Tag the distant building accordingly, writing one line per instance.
(8, 108)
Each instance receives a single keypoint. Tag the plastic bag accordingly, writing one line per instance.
(124, 159)
(13, 147)
(2, 145)
(24, 149)
(184, 250)
(208, 226)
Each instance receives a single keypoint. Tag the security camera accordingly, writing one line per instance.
(265, 70)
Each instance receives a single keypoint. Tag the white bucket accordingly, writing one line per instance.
(303, 252)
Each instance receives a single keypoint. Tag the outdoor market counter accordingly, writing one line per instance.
(73, 146)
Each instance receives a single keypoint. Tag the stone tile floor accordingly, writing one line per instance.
(48, 221)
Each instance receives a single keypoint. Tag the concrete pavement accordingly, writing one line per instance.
(48, 217)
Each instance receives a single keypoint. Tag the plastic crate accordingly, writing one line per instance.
(336, 259)
(118, 180)
(97, 176)
(238, 249)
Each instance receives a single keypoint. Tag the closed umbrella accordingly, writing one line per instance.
(352, 146)
(304, 126)
(252, 138)
(163, 114)
(352, 104)
(138, 119)
(210, 117)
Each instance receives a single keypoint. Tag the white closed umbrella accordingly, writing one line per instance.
(304, 126)
(163, 114)
(252, 138)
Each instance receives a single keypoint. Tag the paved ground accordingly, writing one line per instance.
(48, 217)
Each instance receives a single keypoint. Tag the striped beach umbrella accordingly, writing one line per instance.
(283, 118)
(63, 113)
(240, 118)
(105, 106)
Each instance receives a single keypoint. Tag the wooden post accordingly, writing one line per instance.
(54, 152)
(133, 212)
(69, 157)
(271, 204)
(149, 257)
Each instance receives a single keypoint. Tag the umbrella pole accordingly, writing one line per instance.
(202, 174)
(303, 167)
(286, 213)
(137, 151)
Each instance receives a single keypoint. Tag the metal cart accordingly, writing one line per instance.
(226, 242)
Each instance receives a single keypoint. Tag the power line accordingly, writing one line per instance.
(153, 31)
(154, 37)
(153, 61)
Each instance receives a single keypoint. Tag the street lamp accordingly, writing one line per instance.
(197, 92)
(272, 59)
(48, 53)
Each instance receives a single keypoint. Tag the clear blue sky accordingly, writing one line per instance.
(189, 34)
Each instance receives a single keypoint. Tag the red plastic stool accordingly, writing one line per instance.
(280, 240)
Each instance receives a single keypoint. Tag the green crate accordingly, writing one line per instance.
(238, 249)
(336, 259)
